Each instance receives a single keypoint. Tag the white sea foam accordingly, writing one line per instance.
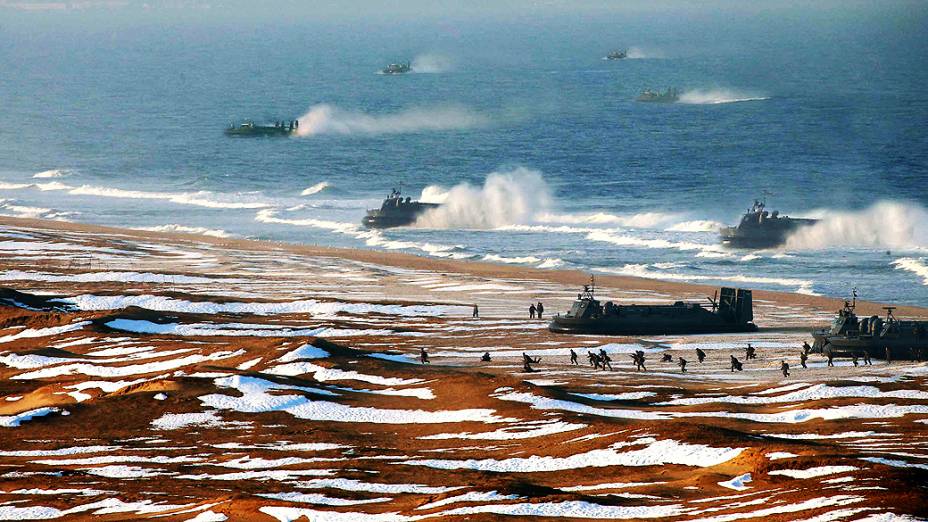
(315, 189)
(328, 119)
(695, 226)
(916, 266)
(431, 63)
(886, 224)
(717, 96)
(54, 173)
(640, 220)
(183, 229)
(506, 198)
(641, 270)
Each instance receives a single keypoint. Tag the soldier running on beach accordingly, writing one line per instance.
(476, 311)
(867, 360)
(831, 358)
(806, 348)
(423, 356)
(638, 358)
(736, 364)
(667, 358)
(750, 352)
(486, 357)
(682, 363)
(531, 311)
(784, 367)
(594, 360)
(803, 357)
(700, 355)
(605, 360)
(573, 357)
(854, 359)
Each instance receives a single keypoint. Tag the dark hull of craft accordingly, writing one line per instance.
(615, 326)
(255, 132)
(905, 348)
(763, 236)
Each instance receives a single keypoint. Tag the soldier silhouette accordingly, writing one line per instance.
(573, 357)
(486, 357)
(784, 367)
(667, 358)
(803, 357)
(682, 363)
(531, 311)
(539, 309)
(424, 356)
(736, 364)
(701, 355)
(476, 311)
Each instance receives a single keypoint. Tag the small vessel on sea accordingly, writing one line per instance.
(881, 338)
(397, 68)
(617, 54)
(249, 129)
(762, 229)
(396, 212)
(731, 312)
(671, 95)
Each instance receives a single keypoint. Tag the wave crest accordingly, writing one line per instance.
(315, 189)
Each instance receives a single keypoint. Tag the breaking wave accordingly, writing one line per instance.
(702, 250)
(200, 199)
(640, 220)
(55, 173)
(802, 286)
(913, 265)
(717, 96)
(506, 198)
(432, 63)
(886, 224)
(695, 226)
(201, 231)
(328, 119)
(10, 208)
(315, 189)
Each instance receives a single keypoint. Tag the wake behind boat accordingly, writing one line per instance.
(396, 212)
(671, 95)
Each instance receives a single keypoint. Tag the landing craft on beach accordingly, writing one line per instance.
(732, 312)
(395, 211)
(761, 229)
(881, 338)
(249, 129)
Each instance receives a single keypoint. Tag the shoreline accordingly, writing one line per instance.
(575, 278)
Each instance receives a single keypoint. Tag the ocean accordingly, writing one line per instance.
(534, 142)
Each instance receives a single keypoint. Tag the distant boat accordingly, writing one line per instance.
(249, 129)
(617, 55)
(671, 95)
(397, 68)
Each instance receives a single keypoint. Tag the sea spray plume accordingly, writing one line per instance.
(913, 265)
(55, 173)
(431, 63)
(886, 224)
(327, 119)
(638, 53)
(315, 189)
(717, 96)
(506, 198)
(639, 220)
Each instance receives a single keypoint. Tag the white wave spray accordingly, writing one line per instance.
(886, 224)
(916, 266)
(328, 119)
(638, 53)
(506, 198)
(432, 63)
(315, 189)
(55, 173)
(717, 96)
(183, 229)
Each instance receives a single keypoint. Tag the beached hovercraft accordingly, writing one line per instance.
(397, 68)
(671, 95)
(396, 212)
(762, 229)
(617, 55)
(249, 129)
(880, 338)
(731, 312)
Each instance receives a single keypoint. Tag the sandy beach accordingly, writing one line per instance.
(184, 377)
